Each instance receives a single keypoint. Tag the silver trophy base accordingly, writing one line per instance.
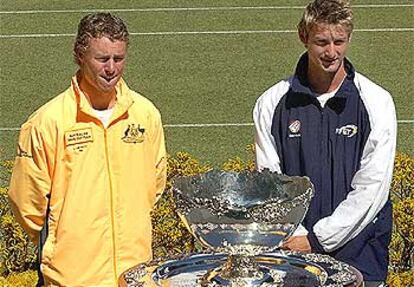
(212, 270)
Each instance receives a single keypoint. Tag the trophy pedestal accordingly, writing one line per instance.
(238, 270)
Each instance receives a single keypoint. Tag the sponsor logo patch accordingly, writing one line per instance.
(134, 134)
(80, 136)
(347, 131)
(294, 128)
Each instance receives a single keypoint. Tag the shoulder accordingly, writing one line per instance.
(143, 105)
(272, 96)
(371, 92)
(46, 122)
(50, 113)
(373, 95)
(378, 101)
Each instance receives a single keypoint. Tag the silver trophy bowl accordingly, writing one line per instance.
(243, 215)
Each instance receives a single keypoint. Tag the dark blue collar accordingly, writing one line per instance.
(300, 84)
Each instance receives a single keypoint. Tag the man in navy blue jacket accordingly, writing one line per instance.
(335, 126)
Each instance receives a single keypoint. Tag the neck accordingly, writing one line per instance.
(97, 99)
(323, 82)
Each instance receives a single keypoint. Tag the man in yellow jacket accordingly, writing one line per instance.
(90, 166)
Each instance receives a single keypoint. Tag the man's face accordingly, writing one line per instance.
(327, 46)
(103, 63)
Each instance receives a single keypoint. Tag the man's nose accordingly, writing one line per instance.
(330, 50)
(110, 66)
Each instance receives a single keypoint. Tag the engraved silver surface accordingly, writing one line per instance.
(283, 269)
(245, 213)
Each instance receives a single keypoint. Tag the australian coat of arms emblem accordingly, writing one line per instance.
(134, 134)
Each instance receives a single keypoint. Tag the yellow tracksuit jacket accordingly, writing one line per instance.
(99, 184)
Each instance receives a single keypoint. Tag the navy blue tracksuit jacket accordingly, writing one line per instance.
(347, 149)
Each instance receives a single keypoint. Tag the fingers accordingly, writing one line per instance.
(297, 243)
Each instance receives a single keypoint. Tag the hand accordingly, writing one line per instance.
(297, 243)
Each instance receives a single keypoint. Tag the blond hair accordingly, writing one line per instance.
(98, 25)
(331, 12)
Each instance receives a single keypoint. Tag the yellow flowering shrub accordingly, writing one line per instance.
(170, 237)
(402, 242)
(402, 279)
(237, 164)
(17, 251)
(403, 177)
(24, 279)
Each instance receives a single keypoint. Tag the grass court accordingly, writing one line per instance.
(202, 63)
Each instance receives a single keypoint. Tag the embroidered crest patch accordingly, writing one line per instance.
(134, 134)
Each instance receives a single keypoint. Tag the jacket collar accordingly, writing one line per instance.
(300, 84)
(123, 99)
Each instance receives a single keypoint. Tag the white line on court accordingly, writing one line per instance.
(206, 125)
(186, 9)
(171, 33)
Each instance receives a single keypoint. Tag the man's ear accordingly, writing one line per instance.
(76, 57)
(349, 37)
(79, 58)
(303, 38)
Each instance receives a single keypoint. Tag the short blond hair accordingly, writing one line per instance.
(98, 25)
(331, 12)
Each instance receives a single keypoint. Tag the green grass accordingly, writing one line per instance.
(197, 78)
(7, 5)
(262, 19)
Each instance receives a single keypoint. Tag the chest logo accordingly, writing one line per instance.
(80, 136)
(347, 131)
(134, 134)
(294, 129)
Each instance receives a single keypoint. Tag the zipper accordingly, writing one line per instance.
(112, 207)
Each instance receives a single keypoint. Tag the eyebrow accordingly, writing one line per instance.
(98, 54)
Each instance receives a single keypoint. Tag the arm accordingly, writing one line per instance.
(370, 185)
(265, 146)
(30, 182)
(160, 158)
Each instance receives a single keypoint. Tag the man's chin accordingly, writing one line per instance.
(106, 87)
(332, 69)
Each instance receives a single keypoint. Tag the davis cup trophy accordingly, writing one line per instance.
(243, 218)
